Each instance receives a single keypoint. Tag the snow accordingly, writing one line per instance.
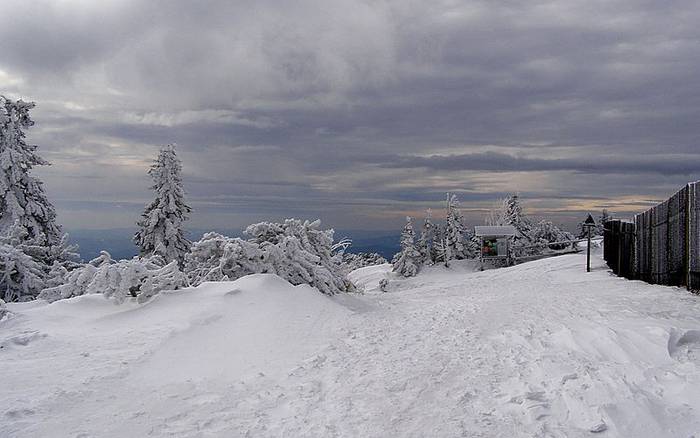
(542, 349)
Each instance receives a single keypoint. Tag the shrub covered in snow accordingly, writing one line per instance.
(23, 264)
(296, 250)
(359, 260)
(140, 277)
(3, 310)
(546, 233)
(216, 257)
(22, 276)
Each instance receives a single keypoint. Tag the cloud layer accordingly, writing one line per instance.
(358, 111)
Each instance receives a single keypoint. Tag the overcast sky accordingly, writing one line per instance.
(358, 112)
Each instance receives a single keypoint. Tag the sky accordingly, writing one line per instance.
(358, 112)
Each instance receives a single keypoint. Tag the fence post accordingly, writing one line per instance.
(588, 252)
(686, 256)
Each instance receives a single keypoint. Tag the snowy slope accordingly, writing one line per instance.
(541, 349)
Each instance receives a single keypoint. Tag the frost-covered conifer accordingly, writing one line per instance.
(546, 233)
(600, 224)
(409, 260)
(161, 226)
(22, 198)
(442, 251)
(27, 218)
(510, 212)
(426, 241)
(515, 216)
(456, 236)
(21, 276)
(24, 271)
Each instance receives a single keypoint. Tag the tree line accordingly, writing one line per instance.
(36, 260)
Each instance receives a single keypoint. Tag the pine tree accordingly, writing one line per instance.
(426, 241)
(442, 250)
(31, 240)
(409, 259)
(515, 216)
(546, 233)
(459, 240)
(600, 225)
(22, 198)
(510, 212)
(161, 227)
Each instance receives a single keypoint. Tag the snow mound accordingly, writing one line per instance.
(367, 279)
(139, 355)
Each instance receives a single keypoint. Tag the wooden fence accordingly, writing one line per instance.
(662, 246)
(618, 249)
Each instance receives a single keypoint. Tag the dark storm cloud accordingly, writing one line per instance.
(360, 111)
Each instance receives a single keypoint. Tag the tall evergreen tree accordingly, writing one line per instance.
(456, 236)
(408, 261)
(426, 241)
(511, 213)
(31, 242)
(161, 225)
(23, 202)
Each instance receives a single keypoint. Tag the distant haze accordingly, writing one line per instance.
(358, 112)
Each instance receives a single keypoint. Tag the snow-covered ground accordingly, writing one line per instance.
(541, 349)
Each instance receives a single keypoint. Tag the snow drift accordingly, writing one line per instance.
(85, 358)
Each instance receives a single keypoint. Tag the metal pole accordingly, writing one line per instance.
(588, 253)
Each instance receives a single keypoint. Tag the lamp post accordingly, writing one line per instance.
(589, 223)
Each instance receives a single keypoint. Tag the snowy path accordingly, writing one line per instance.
(542, 349)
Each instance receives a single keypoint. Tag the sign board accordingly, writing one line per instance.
(494, 247)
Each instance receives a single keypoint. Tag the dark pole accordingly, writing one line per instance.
(588, 253)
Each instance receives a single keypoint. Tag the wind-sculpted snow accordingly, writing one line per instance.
(536, 350)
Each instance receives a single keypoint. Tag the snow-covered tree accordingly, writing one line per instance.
(510, 212)
(216, 257)
(546, 233)
(161, 226)
(27, 218)
(3, 309)
(21, 276)
(22, 197)
(600, 223)
(140, 277)
(352, 261)
(296, 250)
(426, 241)
(443, 252)
(456, 235)
(409, 260)
(514, 215)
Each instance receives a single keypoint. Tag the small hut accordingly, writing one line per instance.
(495, 243)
